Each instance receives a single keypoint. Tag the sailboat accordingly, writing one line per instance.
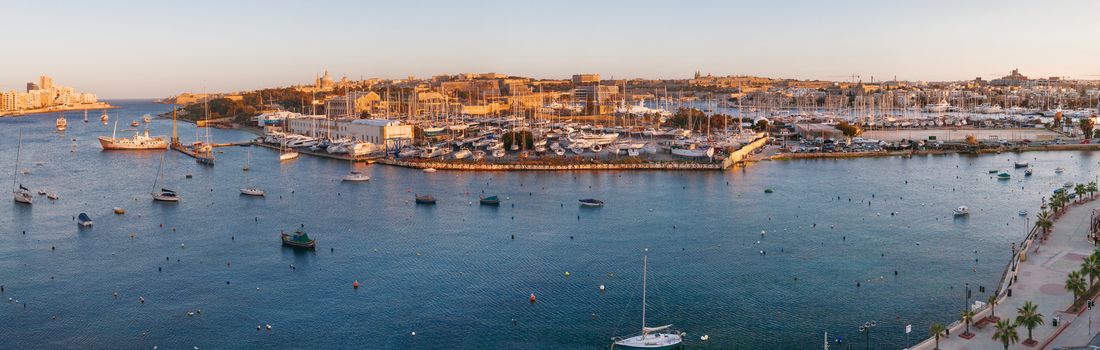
(85, 115)
(21, 194)
(103, 118)
(248, 160)
(353, 175)
(287, 154)
(164, 195)
(652, 337)
(204, 151)
(248, 189)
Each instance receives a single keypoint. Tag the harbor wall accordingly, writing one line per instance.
(551, 167)
(744, 152)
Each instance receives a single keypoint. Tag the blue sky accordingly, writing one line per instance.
(158, 48)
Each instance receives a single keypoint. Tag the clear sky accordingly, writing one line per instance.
(122, 49)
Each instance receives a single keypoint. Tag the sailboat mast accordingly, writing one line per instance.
(644, 269)
(158, 174)
(18, 152)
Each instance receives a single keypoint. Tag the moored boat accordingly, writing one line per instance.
(252, 191)
(962, 210)
(299, 239)
(119, 211)
(591, 203)
(661, 338)
(489, 200)
(1004, 176)
(425, 199)
(84, 220)
(1020, 165)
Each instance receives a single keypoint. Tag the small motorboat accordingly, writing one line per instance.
(84, 220)
(1059, 170)
(1004, 176)
(356, 176)
(429, 170)
(490, 200)
(299, 239)
(52, 196)
(135, 124)
(1022, 213)
(962, 210)
(591, 203)
(1028, 172)
(993, 171)
(42, 192)
(119, 211)
(288, 155)
(768, 190)
(1021, 165)
(252, 191)
(425, 199)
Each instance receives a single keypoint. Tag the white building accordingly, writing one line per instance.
(390, 134)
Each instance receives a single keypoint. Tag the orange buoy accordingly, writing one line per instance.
(355, 284)
(532, 298)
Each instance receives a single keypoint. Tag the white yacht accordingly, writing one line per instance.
(938, 107)
(19, 193)
(164, 194)
(651, 337)
(252, 191)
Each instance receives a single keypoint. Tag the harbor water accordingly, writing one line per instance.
(838, 243)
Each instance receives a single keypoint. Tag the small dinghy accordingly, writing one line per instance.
(425, 199)
(490, 200)
(84, 220)
(591, 203)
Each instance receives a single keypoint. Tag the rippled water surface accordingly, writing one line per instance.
(453, 273)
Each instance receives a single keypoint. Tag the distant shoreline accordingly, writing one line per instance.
(56, 110)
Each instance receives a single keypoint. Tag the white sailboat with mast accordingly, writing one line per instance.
(21, 194)
(652, 337)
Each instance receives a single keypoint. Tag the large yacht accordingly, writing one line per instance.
(138, 142)
(938, 107)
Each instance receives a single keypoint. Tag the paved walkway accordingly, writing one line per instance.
(1040, 279)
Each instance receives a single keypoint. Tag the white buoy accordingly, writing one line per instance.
(602, 288)
(414, 334)
(704, 337)
(269, 326)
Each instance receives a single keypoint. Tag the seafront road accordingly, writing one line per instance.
(1040, 279)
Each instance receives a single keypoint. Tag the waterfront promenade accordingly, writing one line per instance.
(1040, 280)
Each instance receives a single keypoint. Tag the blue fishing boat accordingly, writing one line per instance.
(1004, 176)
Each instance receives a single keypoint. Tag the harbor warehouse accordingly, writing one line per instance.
(391, 134)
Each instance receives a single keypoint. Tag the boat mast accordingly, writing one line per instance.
(15, 174)
(644, 266)
(158, 175)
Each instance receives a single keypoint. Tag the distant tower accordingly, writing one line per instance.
(31, 87)
(45, 82)
(697, 75)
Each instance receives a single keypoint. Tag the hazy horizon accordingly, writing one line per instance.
(133, 49)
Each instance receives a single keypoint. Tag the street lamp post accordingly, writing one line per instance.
(866, 330)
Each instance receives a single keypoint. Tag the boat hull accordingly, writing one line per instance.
(109, 143)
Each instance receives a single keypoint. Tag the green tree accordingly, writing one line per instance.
(1091, 187)
(1028, 317)
(761, 125)
(936, 331)
(848, 130)
(1091, 266)
(967, 317)
(523, 139)
(1086, 126)
(1080, 190)
(1043, 221)
(1075, 283)
(1006, 333)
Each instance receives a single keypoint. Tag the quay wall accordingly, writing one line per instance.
(740, 154)
(551, 167)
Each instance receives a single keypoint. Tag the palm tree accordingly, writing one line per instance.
(937, 330)
(1075, 283)
(1029, 318)
(1006, 333)
(967, 316)
(992, 305)
(1091, 187)
(1091, 267)
(1080, 190)
(1043, 221)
